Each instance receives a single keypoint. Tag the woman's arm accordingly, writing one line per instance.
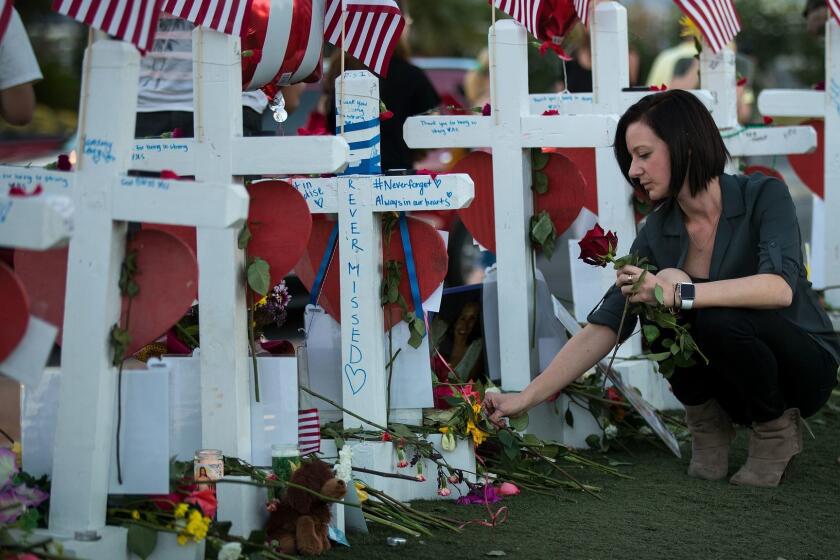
(760, 291)
(579, 354)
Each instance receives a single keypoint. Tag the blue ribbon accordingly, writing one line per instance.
(369, 166)
(361, 125)
(322, 270)
(412, 269)
(365, 143)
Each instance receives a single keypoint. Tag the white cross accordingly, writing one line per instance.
(358, 199)
(104, 200)
(825, 231)
(219, 151)
(510, 132)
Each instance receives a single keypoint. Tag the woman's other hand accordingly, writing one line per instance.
(645, 293)
(500, 405)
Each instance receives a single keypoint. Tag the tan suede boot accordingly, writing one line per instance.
(772, 445)
(711, 433)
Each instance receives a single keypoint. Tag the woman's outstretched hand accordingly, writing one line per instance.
(500, 405)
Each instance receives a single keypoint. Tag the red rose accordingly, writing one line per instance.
(205, 499)
(767, 120)
(386, 115)
(741, 82)
(177, 133)
(168, 174)
(597, 246)
(551, 113)
(486, 110)
(63, 163)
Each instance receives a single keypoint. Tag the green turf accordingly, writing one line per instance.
(662, 513)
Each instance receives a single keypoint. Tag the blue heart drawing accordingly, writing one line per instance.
(448, 194)
(437, 181)
(353, 377)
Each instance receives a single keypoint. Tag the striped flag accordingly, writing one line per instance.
(309, 431)
(716, 19)
(6, 7)
(129, 20)
(834, 8)
(537, 15)
(372, 29)
(225, 16)
(582, 10)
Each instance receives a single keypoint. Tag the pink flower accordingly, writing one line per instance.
(480, 494)
(551, 113)
(63, 163)
(454, 479)
(467, 392)
(205, 499)
(271, 476)
(508, 489)
(272, 505)
(386, 436)
(444, 491)
(486, 110)
(402, 463)
(177, 132)
(421, 477)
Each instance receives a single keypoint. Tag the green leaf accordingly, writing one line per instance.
(593, 441)
(222, 528)
(651, 332)
(532, 440)
(257, 536)
(659, 293)
(666, 368)
(244, 237)
(393, 293)
(540, 182)
(259, 276)
(416, 333)
(401, 430)
(658, 357)
(570, 418)
(506, 438)
(538, 159)
(520, 422)
(667, 343)
(541, 227)
(142, 540)
(675, 349)
(548, 247)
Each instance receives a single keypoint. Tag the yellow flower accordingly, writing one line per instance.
(360, 490)
(181, 510)
(444, 429)
(18, 451)
(262, 301)
(689, 29)
(478, 435)
(182, 540)
(135, 515)
(476, 408)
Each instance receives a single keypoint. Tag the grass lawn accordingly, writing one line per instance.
(661, 513)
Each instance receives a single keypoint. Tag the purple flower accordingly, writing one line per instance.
(14, 499)
(480, 494)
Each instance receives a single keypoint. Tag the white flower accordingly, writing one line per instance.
(645, 431)
(230, 551)
(343, 469)
(611, 432)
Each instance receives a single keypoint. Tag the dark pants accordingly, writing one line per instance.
(759, 365)
(158, 122)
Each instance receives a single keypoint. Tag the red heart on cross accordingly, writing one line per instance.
(167, 274)
(563, 201)
(430, 259)
(280, 224)
(810, 168)
(14, 310)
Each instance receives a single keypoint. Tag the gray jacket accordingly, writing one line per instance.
(758, 233)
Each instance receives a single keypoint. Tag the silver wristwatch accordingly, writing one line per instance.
(686, 291)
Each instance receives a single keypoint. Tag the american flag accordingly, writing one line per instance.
(716, 19)
(225, 16)
(834, 8)
(372, 30)
(129, 20)
(309, 431)
(529, 12)
(5, 15)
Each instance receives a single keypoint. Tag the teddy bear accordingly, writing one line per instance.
(299, 524)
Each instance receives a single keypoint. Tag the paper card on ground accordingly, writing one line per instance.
(26, 363)
(39, 414)
(144, 434)
(638, 403)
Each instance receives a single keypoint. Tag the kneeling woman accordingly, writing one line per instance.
(728, 251)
